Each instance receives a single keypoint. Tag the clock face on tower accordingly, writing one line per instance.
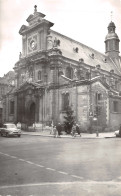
(32, 44)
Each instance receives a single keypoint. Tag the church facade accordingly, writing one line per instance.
(55, 72)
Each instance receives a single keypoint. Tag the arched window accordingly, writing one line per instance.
(98, 97)
(69, 72)
(65, 101)
(11, 107)
(39, 75)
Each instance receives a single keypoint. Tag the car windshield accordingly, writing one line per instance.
(11, 126)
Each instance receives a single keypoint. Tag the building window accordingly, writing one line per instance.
(115, 106)
(69, 72)
(88, 74)
(11, 107)
(81, 60)
(39, 75)
(98, 98)
(76, 49)
(92, 56)
(65, 101)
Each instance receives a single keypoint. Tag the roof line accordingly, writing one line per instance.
(115, 65)
(78, 42)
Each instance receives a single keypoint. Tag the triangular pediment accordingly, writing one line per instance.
(99, 79)
(38, 15)
(30, 17)
(99, 84)
(28, 85)
(64, 80)
(23, 28)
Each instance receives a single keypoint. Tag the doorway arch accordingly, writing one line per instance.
(31, 114)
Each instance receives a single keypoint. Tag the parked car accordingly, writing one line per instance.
(10, 129)
(117, 133)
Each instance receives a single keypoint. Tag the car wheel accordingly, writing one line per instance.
(1, 134)
(19, 135)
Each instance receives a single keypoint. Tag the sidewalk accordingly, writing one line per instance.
(46, 133)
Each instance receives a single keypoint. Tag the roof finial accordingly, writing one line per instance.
(111, 15)
(35, 8)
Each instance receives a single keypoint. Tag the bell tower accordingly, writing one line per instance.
(112, 42)
(34, 35)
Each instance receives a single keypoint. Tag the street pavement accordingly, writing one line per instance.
(48, 166)
(47, 133)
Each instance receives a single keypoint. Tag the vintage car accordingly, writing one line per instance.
(10, 129)
(117, 133)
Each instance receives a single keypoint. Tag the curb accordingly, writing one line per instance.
(110, 137)
(105, 137)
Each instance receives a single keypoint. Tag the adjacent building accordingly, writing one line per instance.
(55, 71)
(6, 84)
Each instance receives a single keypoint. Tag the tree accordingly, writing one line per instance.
(69, 120)
(97, 110)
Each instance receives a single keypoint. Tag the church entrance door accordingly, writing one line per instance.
(31, 114)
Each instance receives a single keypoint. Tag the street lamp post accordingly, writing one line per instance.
(76, 103)
(90, 109)
(95, 119)
(97, 132)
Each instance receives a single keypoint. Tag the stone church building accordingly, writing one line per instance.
(55, 71)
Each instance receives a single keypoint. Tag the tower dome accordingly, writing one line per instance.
(111, 36)
(112, 41)
(111, 24)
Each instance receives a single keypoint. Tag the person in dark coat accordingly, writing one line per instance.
(59, 129)
(73, 132)
(120, 131)
(78, 130)
(55, 131)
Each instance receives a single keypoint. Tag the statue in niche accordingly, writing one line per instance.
(30, 75)
(56, 43)
(75, 74)
(81, 74)
(104, 78)
(27, 75)
(88, 75)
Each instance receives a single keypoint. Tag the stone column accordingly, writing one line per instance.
(37, 108)
(24, 45)
(49, 42)
(40, 40)
(15, 108)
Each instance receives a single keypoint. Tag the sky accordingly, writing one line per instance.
(85, 21)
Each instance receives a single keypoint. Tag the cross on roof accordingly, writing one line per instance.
(35, 8)
(111, 15)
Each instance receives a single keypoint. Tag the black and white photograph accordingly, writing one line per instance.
(60, 98)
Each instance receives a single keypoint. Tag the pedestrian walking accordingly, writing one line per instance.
(18, 125)
(55, 132)
(74, 130)
(52, 126)
(59, 129)
(78, 130)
